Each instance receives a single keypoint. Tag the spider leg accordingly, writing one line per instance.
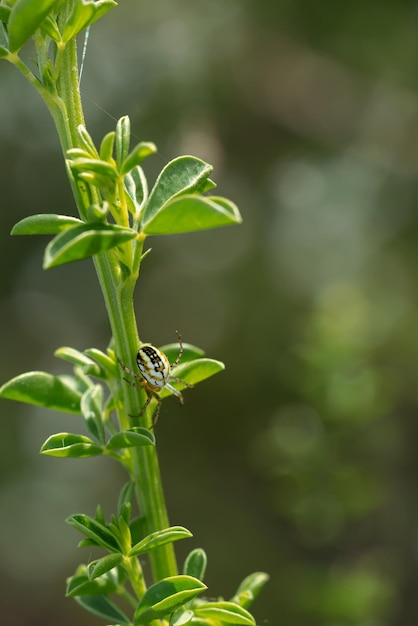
(150, 395)
(156, 413)
(175, 391)
(181, 350)
(133, 374)
(180, 380)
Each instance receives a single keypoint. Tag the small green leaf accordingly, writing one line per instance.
(121, 527)
(92, 410)
(225, 612)
(192, 213)
(106, 147)
(250, 588)
(137, 527)
(186, 174)
(42, 389)
(67, 445)
(94, 530)
(103, 565)
(81, 585)
(125, 498)
(104, 360)
(123, 138)
(104, 608)
(137, 188)
(160, 538)
(98, 212)
(136, 436)
(166, 596)
(141, 151)
(82, 153)
(181, 617)
(87, 142)
(4, 13)
(26, 16)
(83, 241)
(4, 52)
(50, 27)
(193, 372)
(74, 356)
(195, 564)
(103, 170)
(124, 512)
(44, 224)
(99, 515)
(84, 13)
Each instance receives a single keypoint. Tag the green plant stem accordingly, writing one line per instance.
(67, 113)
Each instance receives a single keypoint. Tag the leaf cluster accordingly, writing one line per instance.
(176, 599)
(175, 203)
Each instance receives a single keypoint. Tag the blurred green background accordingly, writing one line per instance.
(300, 459)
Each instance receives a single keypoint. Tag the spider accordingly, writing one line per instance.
(155, 375)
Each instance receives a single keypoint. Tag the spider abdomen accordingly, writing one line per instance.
(154, 366)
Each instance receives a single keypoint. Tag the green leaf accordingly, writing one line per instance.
(106, 147)
(50, 27)
(84, 13)
(42, 389)
(102, 566)
(92, 410)
(104, 360)
(121, 528)
(181, 617)
(136, 436)
(225, 612)
(74, 356)
(193, 372)
(137, 187)
(166, 596)
(4, 13)
(26, 16)
(99, 515)
(141, 151)
(83, 153)
(44, 224)
(83, 241)
(95, 530)
(125, 508)
(195, 564)
(186, 174)
(137, 527)
(104, 608)
(160, 538)
(4, 52)
(191, 213)
(98, 212)
(124, 513)
(95, 167)
(81, 585)
(122, 140)
(87, 143)
(125, 497)
(67, 445)
(250, 588)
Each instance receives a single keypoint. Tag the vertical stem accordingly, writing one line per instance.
(68, 114)
(146, 471)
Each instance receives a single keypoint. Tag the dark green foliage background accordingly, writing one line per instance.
(300, 459)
